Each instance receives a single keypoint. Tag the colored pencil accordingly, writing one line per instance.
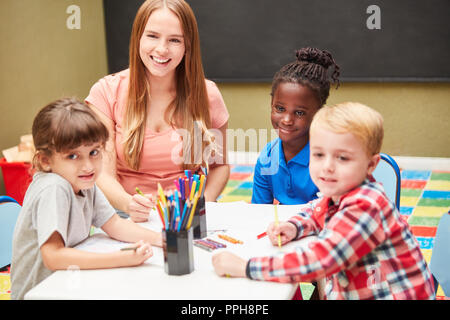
(202, 182)
(186, 188)
(187, 215)
(262, 235)
(177, 204)
(129, 248)
(192, 211)
(277, 223)
(230, 239)
(183, 215)
(160, 212)
(161, 194)
(187, 173)
(181, 184)
(140, 192)
(202, 193)
(192, 190)
(202, 246)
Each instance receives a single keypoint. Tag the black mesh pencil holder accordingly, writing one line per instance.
(178, 252)
(199, 219)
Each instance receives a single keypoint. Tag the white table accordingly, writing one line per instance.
(149, 281)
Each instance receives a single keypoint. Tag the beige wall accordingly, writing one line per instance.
(42, 60)
(416, 115)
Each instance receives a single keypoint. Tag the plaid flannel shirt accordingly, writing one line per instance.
(364, 250)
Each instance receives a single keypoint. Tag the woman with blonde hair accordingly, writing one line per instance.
(163, 116)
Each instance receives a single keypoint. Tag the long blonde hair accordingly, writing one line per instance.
(191, 102)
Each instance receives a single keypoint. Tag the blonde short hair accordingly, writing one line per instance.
(360, 120)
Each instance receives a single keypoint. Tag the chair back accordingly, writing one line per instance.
(440, 256)
(9, 211)
(7, 199)
(388, 173)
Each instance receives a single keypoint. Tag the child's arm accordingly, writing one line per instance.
(57, 257)
(219, 171)
(128, 231)
(304, 222)
(295, 228)
(216, 182)
(352, 233)
(228, 264)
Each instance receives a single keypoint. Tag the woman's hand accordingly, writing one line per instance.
(139, 207)
(228, 264)
(286, 230)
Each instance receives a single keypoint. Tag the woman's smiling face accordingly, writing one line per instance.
(162, 46)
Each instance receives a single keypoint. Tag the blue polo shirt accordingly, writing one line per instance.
(289, 183)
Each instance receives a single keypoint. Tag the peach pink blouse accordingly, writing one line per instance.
(159, 162)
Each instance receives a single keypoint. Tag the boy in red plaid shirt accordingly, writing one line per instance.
(364, 249)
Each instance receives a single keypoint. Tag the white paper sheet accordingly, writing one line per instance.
(102, 243)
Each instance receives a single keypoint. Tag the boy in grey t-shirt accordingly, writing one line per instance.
(63, 201)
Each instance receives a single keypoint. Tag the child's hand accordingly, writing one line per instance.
(228, 264)
(286, 230)
(140, 255)
(139, 207)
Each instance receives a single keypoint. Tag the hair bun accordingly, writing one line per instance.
(314, 55)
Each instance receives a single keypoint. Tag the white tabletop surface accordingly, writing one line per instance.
(241, 220)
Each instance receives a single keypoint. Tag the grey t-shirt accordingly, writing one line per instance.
(50, 205)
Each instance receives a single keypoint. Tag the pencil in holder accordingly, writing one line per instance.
(178, 251)
(199, 219)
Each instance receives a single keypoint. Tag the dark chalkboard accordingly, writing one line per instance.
(249, 40)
